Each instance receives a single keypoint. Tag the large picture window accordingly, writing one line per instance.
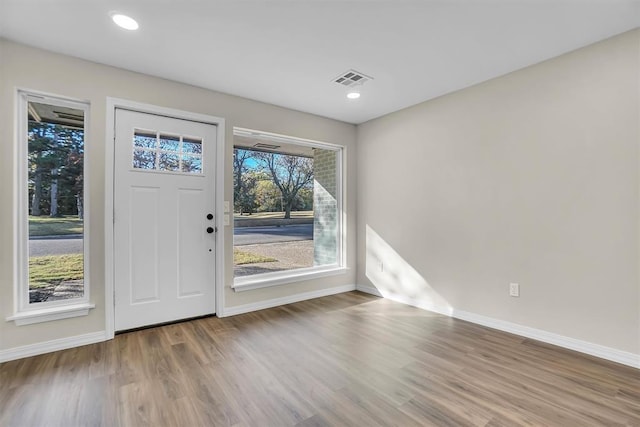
(287, 209)
(50, 217)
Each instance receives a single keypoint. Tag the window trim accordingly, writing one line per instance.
(276, 278)
(264, 280)
(24, 312)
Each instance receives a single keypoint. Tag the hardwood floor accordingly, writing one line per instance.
(346, 360)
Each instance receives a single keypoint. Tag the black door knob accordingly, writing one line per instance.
(209, 230)
(209, 216)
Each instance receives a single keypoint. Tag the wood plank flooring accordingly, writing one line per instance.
(345, 360)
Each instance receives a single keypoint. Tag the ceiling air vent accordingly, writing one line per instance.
(352, 78)
(266, 146)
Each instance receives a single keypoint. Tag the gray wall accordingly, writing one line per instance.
(29, 68)
(530, 178)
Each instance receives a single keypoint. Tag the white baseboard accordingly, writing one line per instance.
(369, 290)
(445, 310)
(597, 350)
(261, 305)
(608, 353)
(50, 346)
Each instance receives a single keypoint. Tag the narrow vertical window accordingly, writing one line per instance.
(51, 213)
(55, 164)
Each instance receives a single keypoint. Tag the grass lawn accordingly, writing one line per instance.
(46, 226)
(274, 215)
(243, 257)
(50, 270)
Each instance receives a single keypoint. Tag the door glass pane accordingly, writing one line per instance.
(169, 162)
(167, 153)
(169, 143)
(192, 164)
(144, 139)
(191, 146)
(144, 159)
(56, 205)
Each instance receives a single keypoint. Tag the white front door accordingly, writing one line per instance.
(164, 225)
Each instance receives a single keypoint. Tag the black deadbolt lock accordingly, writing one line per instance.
(209, 230)
(209, 216)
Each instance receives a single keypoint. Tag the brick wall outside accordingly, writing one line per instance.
(325, 222)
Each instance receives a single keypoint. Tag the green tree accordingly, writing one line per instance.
(304, 201)
(55, 169)
(244, 184)
(289, 173)
(268, 196)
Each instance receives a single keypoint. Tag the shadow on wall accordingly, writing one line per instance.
(396, 279)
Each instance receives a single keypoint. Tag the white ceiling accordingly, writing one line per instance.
(287, 52)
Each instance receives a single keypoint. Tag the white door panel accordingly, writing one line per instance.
(142, 261)
(164, 189)
(190, 239)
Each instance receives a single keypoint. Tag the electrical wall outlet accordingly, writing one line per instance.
(514, 289)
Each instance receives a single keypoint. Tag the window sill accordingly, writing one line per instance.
(51, 313)
(266, 280)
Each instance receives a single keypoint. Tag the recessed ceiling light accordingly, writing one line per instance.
(124, 21)
(354, 92)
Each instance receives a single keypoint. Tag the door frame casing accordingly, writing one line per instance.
(112, 105)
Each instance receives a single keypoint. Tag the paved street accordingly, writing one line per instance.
(55, 246)
(285, 233)
(242, 236)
